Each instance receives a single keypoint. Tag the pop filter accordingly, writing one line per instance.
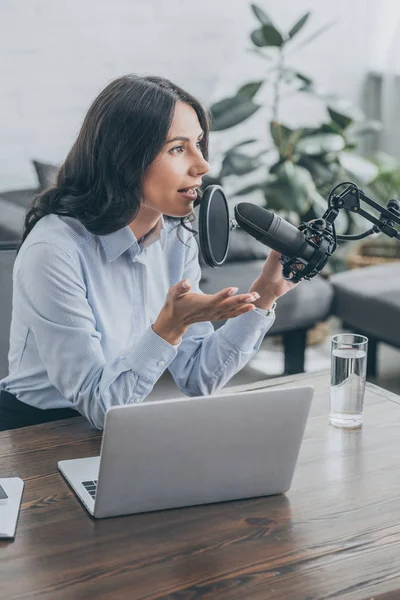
(214, 226)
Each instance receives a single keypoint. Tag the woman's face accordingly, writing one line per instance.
(179, 166)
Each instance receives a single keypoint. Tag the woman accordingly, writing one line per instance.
(106, 282)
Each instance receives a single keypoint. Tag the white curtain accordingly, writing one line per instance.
(385, 63)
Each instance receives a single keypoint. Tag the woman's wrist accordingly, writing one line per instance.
(170, 332)
(265, 303)
(267, 297)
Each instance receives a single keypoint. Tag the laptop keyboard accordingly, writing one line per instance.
(91, 487)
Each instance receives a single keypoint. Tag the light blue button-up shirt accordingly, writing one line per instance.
(83, 306)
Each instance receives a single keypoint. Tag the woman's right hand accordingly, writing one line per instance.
(183, 308)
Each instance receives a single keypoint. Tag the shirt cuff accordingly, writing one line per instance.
(151, 356)
(246, 332)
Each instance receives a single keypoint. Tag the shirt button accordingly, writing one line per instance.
(161, 363)
(137, 400)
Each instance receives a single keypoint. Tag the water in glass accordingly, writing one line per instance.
(349, 367)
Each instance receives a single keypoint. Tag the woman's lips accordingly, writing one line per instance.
(190, 194)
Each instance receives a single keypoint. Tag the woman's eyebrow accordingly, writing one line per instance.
(182, 138)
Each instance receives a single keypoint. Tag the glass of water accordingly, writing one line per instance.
(348, 375)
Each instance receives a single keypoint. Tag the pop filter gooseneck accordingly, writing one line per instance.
(214, 226)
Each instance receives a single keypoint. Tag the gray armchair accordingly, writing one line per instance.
(8, 252)
(367, 301)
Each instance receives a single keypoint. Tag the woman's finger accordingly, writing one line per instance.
(181, 288)
(241, 299)
(226, 293)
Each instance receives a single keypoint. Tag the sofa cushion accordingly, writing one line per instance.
(243, 247)
(46, 173)
(368, 300)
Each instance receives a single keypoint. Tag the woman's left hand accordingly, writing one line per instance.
(271, 284)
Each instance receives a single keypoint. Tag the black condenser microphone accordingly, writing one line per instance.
(273, 231)
(304, 252)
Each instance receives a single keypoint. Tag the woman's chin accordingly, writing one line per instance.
(184, 212)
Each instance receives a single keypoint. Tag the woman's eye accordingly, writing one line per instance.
(180, 148)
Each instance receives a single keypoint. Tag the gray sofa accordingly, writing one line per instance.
(368, 302)
(8, 252)
(13, 206)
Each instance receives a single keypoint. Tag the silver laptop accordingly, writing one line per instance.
(189, 451)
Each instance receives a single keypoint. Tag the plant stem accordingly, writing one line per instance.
(277, 86)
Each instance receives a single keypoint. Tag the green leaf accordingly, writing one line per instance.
(341, 120)
(249, 90)
(261, 15)
(297, 26)
(267, 36)
(257, 38)
(250, 188)
(323, 172)
(358, 167)
(304, 78)
(231, 111)
(306, 131)
(320, 144)
(344, 113)
(211, 180)
(290, 188)
(281, 136)
(331, 127)
(316, 34)
(245, 142)
(365, 127)
(272, 36)
(308, 84)
(236, 163)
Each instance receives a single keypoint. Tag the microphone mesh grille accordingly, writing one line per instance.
(255, 215)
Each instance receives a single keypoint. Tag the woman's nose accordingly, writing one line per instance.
(200, 167)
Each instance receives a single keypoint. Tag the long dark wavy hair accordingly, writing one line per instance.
(100, 182)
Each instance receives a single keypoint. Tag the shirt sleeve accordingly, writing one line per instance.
(62, 321)
(206, 359)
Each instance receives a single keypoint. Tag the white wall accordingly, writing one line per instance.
(56, 55)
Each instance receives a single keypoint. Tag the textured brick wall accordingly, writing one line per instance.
(56, 55)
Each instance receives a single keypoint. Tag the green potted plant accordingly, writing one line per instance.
(296, 167)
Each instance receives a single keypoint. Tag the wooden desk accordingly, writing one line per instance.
(335, 534)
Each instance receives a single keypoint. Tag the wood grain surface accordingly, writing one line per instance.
(335, 534)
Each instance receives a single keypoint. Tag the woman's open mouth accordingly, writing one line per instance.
(190, 193)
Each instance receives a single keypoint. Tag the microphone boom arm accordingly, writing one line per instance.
(321, 234)
(350, 198)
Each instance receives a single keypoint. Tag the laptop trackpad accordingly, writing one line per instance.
(80, 469)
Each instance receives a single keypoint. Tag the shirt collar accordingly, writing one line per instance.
(115, 244)
(157, 233)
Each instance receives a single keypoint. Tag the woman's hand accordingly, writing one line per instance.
(182, 308)
(270, 284)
